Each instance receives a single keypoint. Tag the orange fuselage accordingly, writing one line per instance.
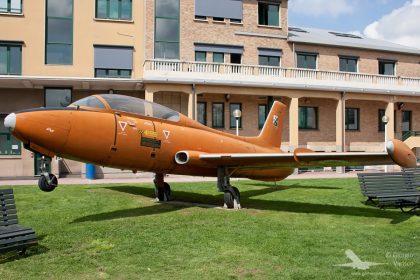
(132, 142)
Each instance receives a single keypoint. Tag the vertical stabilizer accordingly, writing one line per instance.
(273, 128)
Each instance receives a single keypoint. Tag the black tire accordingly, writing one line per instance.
(167, 191)
(45, 186)
(228, 196)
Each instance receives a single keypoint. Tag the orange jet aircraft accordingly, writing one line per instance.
(133, 134)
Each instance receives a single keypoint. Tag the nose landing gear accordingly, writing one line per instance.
(162, 189)
(47, 182)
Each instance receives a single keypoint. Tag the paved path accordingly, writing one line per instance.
(148, 178)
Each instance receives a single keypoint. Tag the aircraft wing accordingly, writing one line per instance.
(397, 152)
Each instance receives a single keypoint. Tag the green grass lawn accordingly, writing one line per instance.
(297, 230)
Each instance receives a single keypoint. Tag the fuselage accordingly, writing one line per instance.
(131, 141)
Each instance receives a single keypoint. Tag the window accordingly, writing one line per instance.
(235, 20)
(268, 14)
(200, 56)
(386, 67)
(114, 9)
(306, 60)
(232, 108)
(219, 9)
(11, 6)
(406, 121)
(235, 58)
(57, 97)
(262, 115)
(59, 32)
(218, 115)
(352, 119)
(200, 17)
(113, 61)
(308, 118)
(202, 112)
(269, 60)
(9, 145)
(167, 29)
(348, 64)
(112, 73)
(218, 57)
(10, 59)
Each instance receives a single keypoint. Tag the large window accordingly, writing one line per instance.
(308, 118)
(218, 115)
(269, 60)
(386, 67)
(348, 64)
(9, 145)
(11, 6)
(167, 29)
(10, 59)
(306, 60)
(232, 108)
(59, 32)
(262, 115)
(219, 10)
(113, 61)
(57, 97)
(268, 14)
(406, 121)
(218, 57)
(352, 119)
(114, 9)
(202, 112)
(200, 56)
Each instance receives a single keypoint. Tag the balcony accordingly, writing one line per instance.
(278, 77)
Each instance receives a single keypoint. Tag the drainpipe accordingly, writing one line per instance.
(194, 103)
(343, 104)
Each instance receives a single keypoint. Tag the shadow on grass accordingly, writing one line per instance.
(246, 199)
(294, 186)
(14, 255)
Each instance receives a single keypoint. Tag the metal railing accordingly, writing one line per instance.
(407, 134)
(276, 72)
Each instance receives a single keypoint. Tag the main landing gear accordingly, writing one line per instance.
(162, 189)
(47, 182)
(231, 193)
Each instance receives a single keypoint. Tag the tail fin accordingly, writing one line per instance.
(273, 128)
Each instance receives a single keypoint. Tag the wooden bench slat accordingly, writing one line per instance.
(6, 191)
(18, 238)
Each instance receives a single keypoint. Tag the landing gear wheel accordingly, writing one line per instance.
(237, 193)
(46, 186)
(229, 200)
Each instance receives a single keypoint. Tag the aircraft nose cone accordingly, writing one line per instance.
(10, 121)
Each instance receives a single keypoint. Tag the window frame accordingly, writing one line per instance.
(9, 8)
(218, 53)
(212, 114)
(178, 19)
(347, 58)
(346, 125)
(57, 88)
(205, 112)
(267, 24)
(306, 54)
(265, 115)
(232, 118)
(9, 141)
(200, 52)
(47, 43)
(268, 60)
(119, 76)
(8, 58)
(306, 124)
(108, 11)
(394, 69)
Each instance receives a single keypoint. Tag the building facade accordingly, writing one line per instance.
(205, 59)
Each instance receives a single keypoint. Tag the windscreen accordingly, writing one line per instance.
(90, 101)
(140, 107)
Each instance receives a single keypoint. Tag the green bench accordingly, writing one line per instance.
(13, 237)
(394, 189)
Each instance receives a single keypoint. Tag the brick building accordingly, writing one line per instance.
(205, 59)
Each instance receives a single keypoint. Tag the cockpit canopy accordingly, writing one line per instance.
(123, 103)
